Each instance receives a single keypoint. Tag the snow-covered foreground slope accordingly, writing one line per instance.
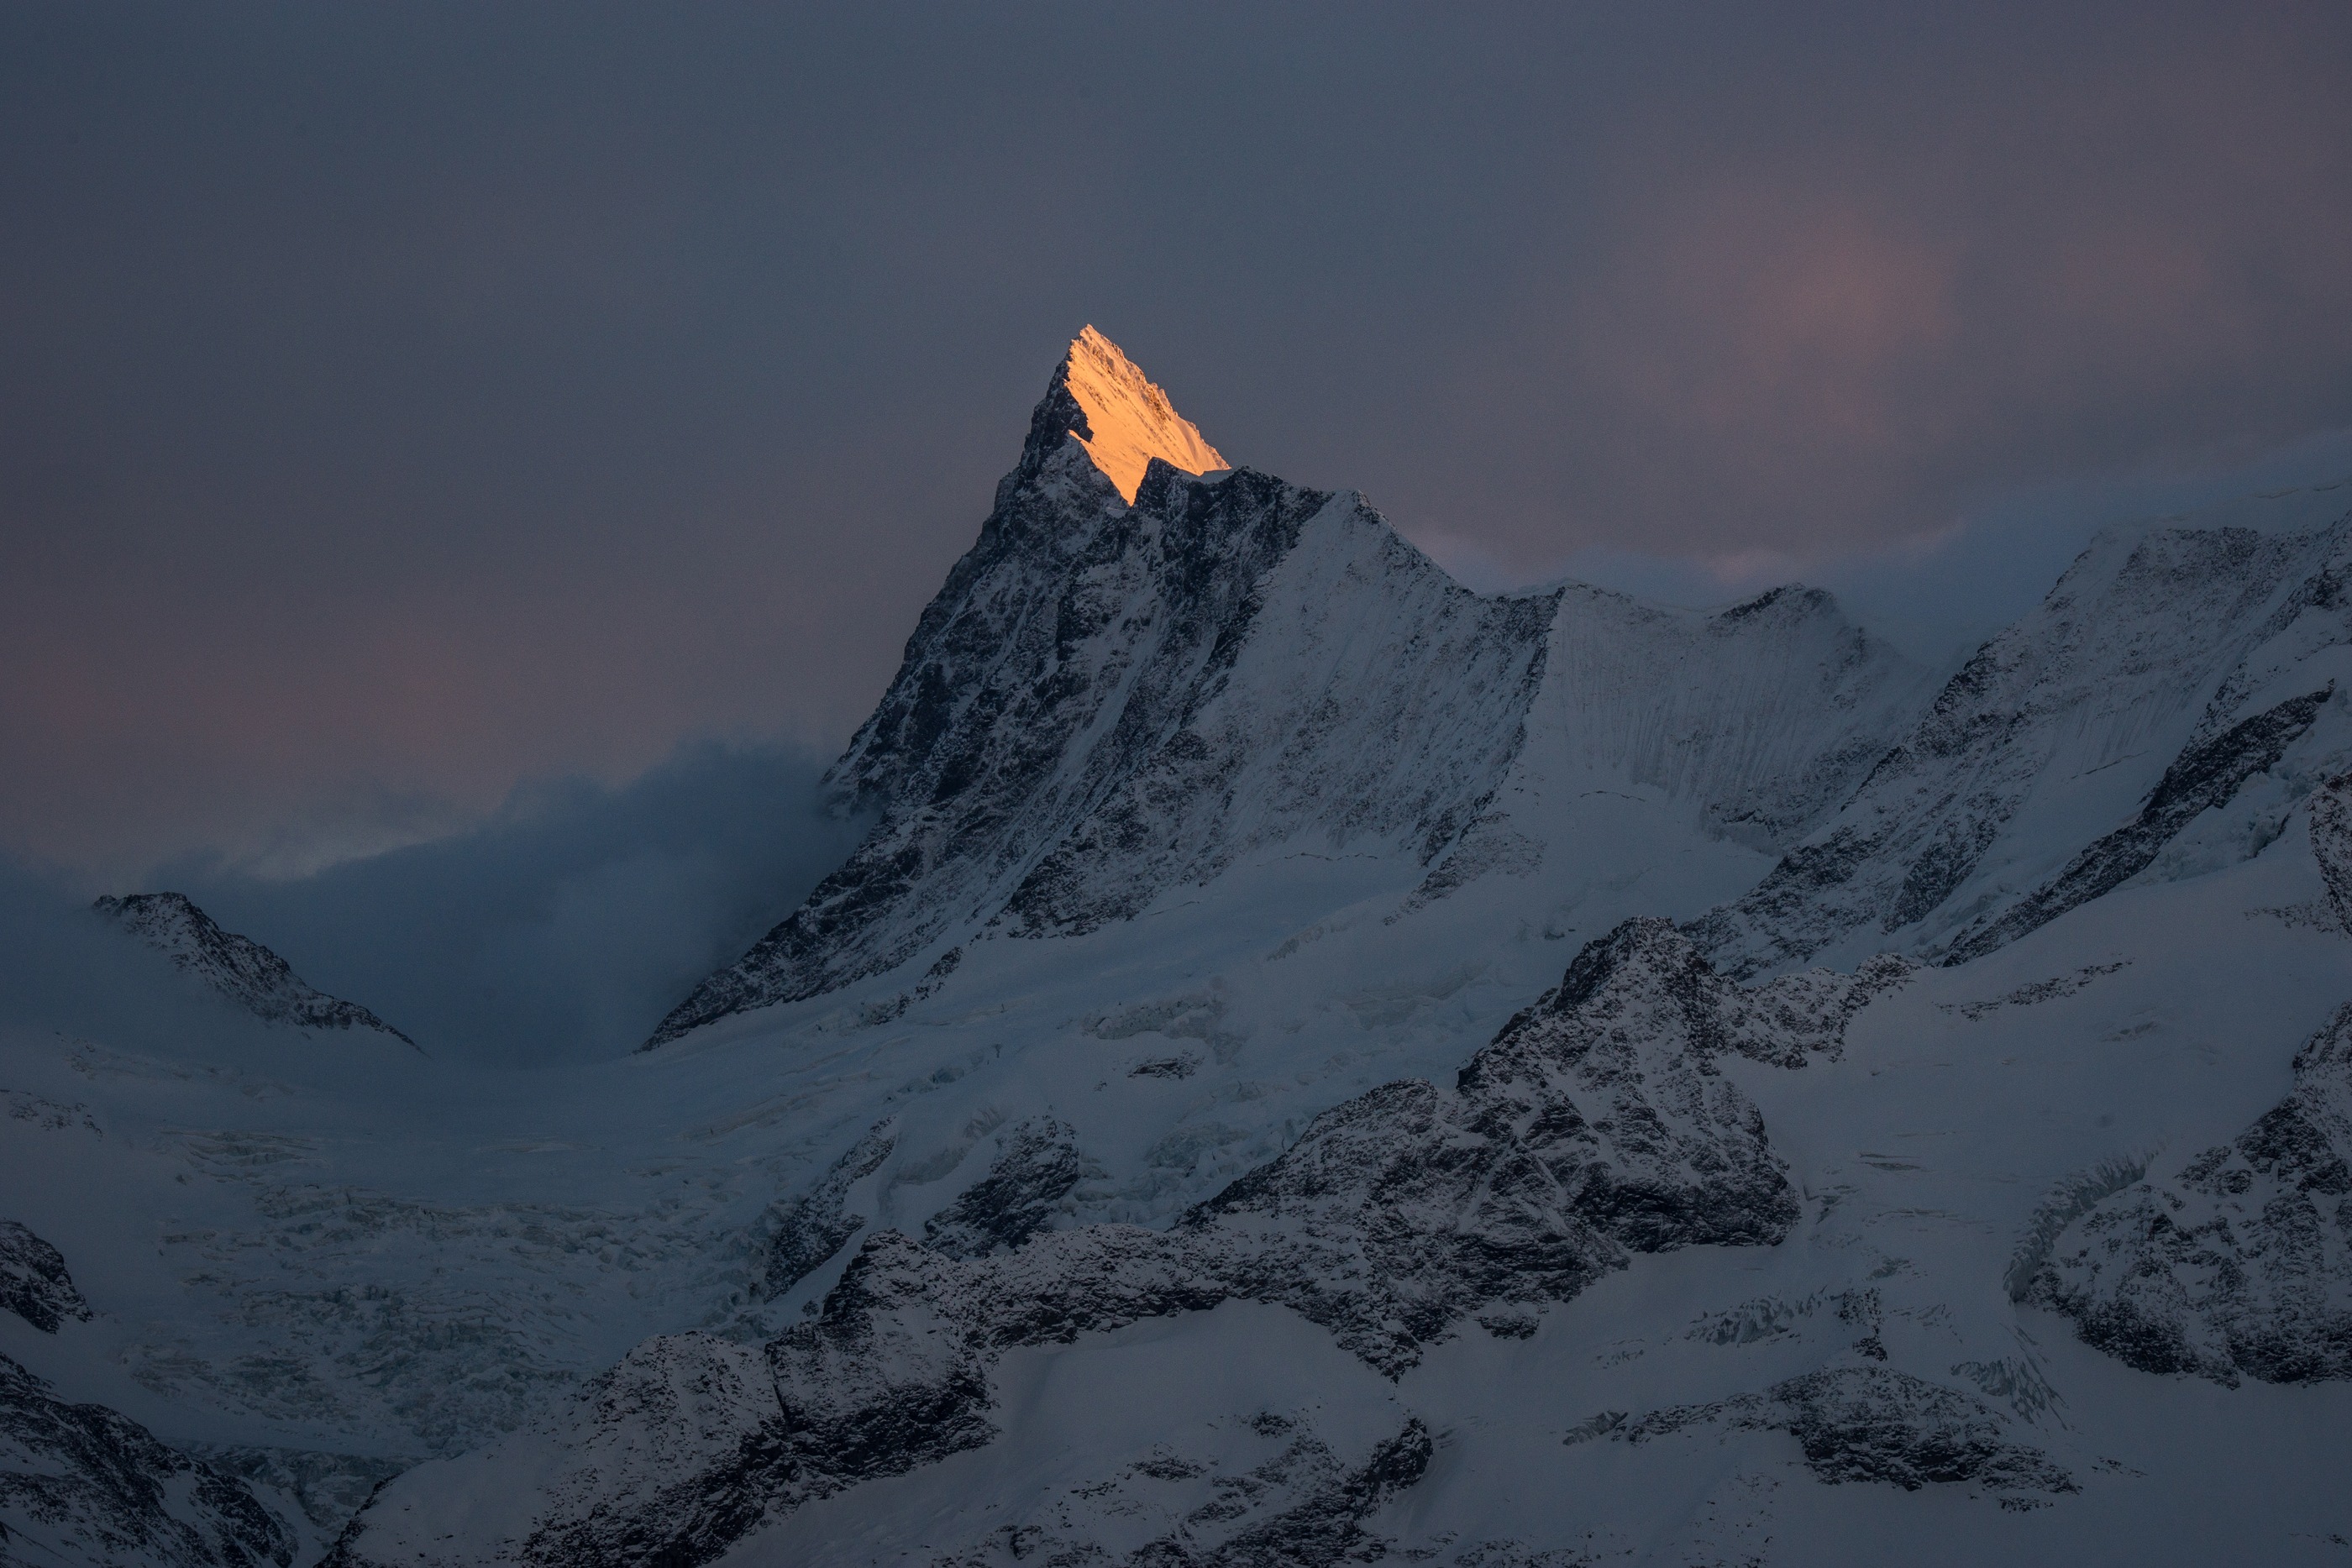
(1312, 1063)
(1860, 1375)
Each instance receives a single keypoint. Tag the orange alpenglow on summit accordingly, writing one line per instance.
(1129, 420)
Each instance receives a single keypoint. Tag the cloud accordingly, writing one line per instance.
(565, 926)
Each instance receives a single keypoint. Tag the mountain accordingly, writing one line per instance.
(79, 1483)
(237, 967)
(1142, 676)
(1311, 1064)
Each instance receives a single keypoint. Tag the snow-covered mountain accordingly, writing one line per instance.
(1141, 677)
(2168, 669)
(237, 967)
(1312, 1065)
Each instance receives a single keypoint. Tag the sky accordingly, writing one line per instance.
(409, 411)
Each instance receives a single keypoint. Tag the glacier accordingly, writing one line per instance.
(1311, 1064)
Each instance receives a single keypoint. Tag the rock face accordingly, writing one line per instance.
(1018, 1198)
(34, 1283)
(81, 1484)
(2240, 1263)
(1875, 1424)
(238, 967)
(2331, 844)
(1596, 1125)
(2183, 657)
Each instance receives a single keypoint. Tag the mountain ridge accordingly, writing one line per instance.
(237, 967)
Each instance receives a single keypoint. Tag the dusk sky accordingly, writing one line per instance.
(403, 403)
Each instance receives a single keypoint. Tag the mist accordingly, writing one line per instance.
(564, 926)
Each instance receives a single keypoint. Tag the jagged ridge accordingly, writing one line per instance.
(238, 967)
(1595, 1125)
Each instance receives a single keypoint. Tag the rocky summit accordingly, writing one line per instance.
(1313, 1064)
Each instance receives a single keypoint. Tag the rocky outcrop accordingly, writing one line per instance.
(1019, 1196)
(1876, 1424)
(812, 1226)
(83, 1484)
(2331, 844)
(34, 1283)
(2239, 1262)
(1596, 1125)
(238, 967)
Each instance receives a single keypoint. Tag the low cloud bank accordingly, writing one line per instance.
(565, 926)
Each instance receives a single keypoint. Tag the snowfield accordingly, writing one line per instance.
(1313, 1064)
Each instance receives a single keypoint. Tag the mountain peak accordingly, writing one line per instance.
(1127, 419)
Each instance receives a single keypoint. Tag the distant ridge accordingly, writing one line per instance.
(238, 967)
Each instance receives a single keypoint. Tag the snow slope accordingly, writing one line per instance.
(1313, 1063)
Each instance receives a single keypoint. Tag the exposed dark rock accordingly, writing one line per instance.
(328, 1487)
(2204, 776)
(50, 1115)
(1303, 1506)
(1327, 1527)
(2331, 844)
(34, 1283)
(238, 967)
(1595, 1125)
(812, 1227)
(1019, 1196)
(1875, 1424)
(83, 1484)
(2240, 1262)
(1166, 1067)
(2034, 993)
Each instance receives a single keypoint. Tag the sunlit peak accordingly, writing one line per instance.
(1128, 418)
